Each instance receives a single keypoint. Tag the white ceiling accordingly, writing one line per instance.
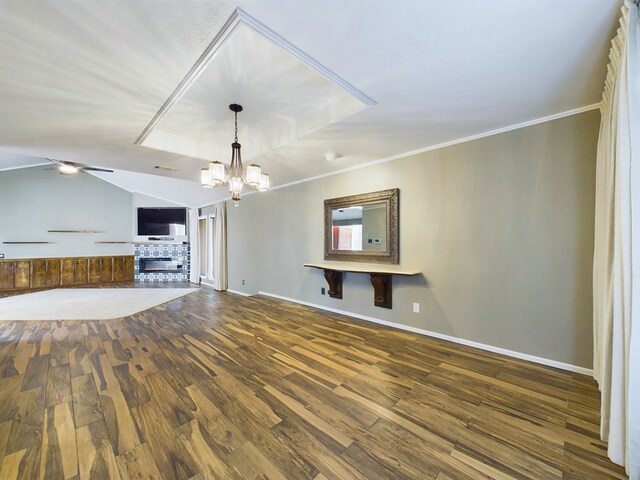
(285, 97)
(81, 80)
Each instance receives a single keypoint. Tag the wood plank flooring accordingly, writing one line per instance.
(214, 385)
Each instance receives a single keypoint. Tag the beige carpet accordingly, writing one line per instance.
(86, 303)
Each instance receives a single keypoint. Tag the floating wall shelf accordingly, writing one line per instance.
(74, 231)
(24, 243)
(380, 279)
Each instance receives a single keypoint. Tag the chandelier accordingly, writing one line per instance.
(236, 176)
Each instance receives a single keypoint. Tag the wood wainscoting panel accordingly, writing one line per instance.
(81, 271)
(216, 385)
(38, 273)
(106, 269)
(6, 276)
(128, 268)
(118, 269)
(22, 274)
(53, 272)
(95, 268)
(67, 275)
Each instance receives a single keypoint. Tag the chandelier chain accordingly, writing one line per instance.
(236, 140)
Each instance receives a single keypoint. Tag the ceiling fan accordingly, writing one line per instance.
(71, 168)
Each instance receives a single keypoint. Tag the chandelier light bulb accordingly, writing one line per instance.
(264, 183)
(205, 178)
(216, 173)
(235, 187)
(66, 169)
(254, 172)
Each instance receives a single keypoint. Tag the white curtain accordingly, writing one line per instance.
(220, 281)
(616, 270)
(194, 236)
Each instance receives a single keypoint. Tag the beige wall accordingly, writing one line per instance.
(501, 227)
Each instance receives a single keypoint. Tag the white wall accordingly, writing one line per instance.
(34, 200)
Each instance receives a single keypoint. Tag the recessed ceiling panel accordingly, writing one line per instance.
(284, 93)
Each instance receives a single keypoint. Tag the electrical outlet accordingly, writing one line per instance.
(1, 255)
(416, 307)
(322, 291)
(243, 282)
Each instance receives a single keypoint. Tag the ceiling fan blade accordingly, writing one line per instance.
(95, 169)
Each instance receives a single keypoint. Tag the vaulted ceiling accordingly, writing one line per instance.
(81, 81)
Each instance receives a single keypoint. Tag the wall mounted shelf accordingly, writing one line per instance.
(25, 243)
(73, 231)
(380, 279)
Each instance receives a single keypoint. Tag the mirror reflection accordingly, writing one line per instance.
(360, 228)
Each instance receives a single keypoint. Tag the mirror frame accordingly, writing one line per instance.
(391, 199)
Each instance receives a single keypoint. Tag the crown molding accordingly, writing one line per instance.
(489, 133)
(509, 128)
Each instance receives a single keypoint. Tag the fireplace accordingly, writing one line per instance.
(159, 265)
(161, 262)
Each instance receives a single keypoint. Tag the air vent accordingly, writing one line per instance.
(164, 167)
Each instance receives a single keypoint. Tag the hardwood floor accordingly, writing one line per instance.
(215, 385)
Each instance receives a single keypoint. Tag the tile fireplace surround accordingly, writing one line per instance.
(176, 252)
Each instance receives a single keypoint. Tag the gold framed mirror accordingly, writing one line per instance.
(362, 228)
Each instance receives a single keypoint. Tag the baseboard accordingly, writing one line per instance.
(239, 293)
(428, 333)
(202, 282)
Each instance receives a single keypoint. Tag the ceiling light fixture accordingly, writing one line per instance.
(71, 168)
(66, 169)
(217, 174)
(331, 156)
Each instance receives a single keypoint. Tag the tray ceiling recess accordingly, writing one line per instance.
(286, 95)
